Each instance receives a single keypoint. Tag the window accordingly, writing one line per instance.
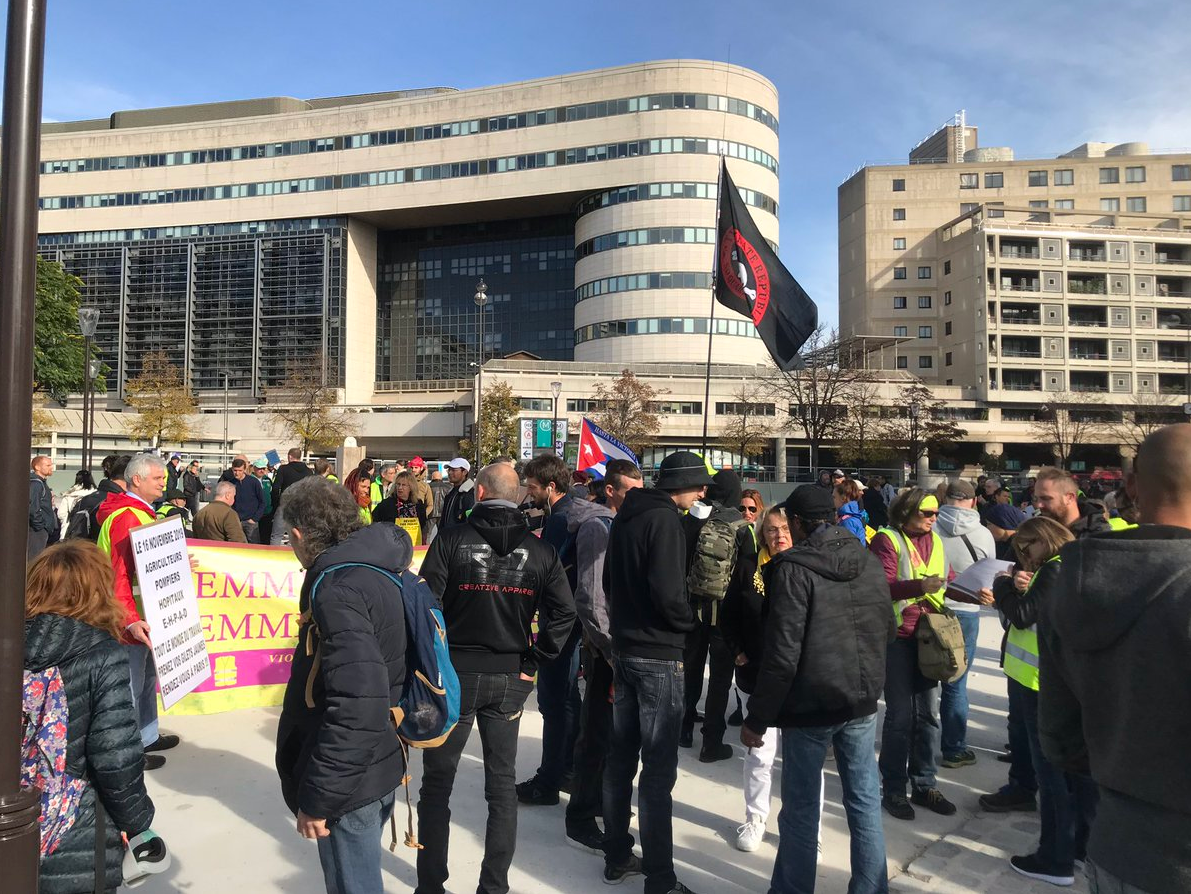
(899, 244)
(924, 302)
(946, 268)
(901, 331)
(947, 359)
(947, 297)
(1064, 204)
(899, 213)
(536, 404)
(1064, 177)
(1110, 175)
(968, 181)
(1038, 178)
(903, 362)
(926, 332)
(994, 180)
(965, 207)
(1039, 203)
(899, 302)
(1177, 172)
(924, 273)
(899, 185)
(1135, 203)
(1182, 203)
(926, 362)
(1135, 175)
(947, 330)
(1110, 204)
(899, 272)
(738, 408)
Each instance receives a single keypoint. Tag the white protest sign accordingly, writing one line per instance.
(171, 607)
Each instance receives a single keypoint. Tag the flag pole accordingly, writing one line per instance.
(715, 265)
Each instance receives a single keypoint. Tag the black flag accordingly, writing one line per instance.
(753, 282)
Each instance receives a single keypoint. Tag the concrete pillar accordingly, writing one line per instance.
(779, 458)
(1128, 454)
(923, 470)
(347, 457)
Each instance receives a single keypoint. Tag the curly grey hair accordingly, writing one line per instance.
(325, 513)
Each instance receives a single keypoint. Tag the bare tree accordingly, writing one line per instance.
(627, 411)
(303, 407)
(747, 431)
(861, 441)
(920, 425)
(1148, 413)
(1068, 420)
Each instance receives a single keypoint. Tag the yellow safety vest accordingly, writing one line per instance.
(105, 531)
(377, 495)
(1021, 650)
(365, 515)
(1119, 524)
(911, 567)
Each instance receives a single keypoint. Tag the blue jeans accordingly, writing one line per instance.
(953, 703)
(803, 751)
(910, 736)
(351, 855)
(647, 710)
(1021, 764)
(1066, 801)
(144, 690)
(560, 705)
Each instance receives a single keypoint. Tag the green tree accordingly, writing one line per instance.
(304, 408)
(57, 342)
(500, 426)
(627, 412)
(163, 401)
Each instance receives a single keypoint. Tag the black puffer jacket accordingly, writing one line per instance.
(492, 575)
(343, 753)
(103, 746)
(827, 626)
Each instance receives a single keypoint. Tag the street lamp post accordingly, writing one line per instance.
(914, 410)
(88, 321)
(227, 445)
(555, 390)
(481, 298)
(93, 368)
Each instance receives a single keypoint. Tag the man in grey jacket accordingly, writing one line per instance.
(590, 524)
(43, 521)
(965, 542)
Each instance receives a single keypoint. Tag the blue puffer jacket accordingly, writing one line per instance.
(852, 517)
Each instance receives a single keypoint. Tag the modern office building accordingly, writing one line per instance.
(249, 238)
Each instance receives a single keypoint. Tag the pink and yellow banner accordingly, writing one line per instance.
(248, 607)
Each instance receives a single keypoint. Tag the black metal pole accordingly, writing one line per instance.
(85, 460)
(19, 155)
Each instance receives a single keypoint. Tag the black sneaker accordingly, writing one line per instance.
(1031, 867)
(715, 751)
(614, 875)
(932, 799)
(964, 758)
(686, 737)
(154, 761)
(589, 839)
(680, 888)
(1009, 799)
(533, 792)
(163, 743)
(897, 807)
(1006, 758)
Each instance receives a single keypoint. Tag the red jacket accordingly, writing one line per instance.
(123, 566)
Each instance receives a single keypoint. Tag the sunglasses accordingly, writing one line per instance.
(927, 513)
(747, 508)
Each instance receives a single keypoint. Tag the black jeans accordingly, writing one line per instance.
(591, 748)
(910, 736)
(702, 642)
(496, 701)
(647, 706)
(560, 704)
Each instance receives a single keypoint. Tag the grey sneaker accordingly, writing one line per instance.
(614, 875)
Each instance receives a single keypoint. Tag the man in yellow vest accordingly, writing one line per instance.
(117, 516)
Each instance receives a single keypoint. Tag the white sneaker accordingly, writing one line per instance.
(750, 835)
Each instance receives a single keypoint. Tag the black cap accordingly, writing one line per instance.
(175, 494)
(811, 502)
(682, 470)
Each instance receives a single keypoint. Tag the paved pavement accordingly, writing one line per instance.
(220, 810)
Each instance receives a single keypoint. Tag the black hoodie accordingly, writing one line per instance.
(1115, 666)
(492, 575)
(827, 627)
(343, 752)
(645, 578)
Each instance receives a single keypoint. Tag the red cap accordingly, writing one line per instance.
(417, 462)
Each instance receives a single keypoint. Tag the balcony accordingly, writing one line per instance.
(1088, 349)
(1174, 318)
(1021, 282)
(1172, 384)
(1086, 251)
(1172, 253)
(1020, 249)
(1078, 315)
(1173, 353)
(1021, 347)
(1078, 284)
(1020, 315)
(1173, 287)
(1089, 382)
(1022, 380)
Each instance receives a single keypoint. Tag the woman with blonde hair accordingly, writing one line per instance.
(73, 628)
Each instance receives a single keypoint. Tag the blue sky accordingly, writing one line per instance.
(859, 80)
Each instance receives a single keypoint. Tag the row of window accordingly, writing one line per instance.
(904, 332)
(1135, 204)
(664, 407)
(187, 232)
(925, 361)
(924, 302)
(900, 273)
(649, 236)
(1060, 177)
(450, 171)
(741, 408)
(663, 326)
(631, 105)
(636, 281)
(644, 191)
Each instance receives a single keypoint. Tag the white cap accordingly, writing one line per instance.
(459, 463)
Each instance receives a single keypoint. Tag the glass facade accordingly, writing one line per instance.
(427, 321)
(251, 300)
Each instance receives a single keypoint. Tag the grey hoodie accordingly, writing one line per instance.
(1115, 652)
(953, 524)
(586, 523)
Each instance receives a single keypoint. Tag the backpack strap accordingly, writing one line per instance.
(971, 549)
